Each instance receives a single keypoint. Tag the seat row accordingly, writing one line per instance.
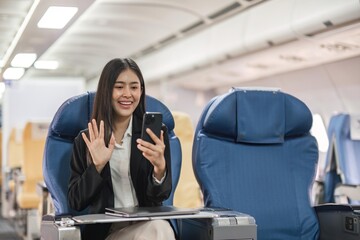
(23, 173)
(252, 152)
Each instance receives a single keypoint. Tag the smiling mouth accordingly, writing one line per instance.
(125, 103)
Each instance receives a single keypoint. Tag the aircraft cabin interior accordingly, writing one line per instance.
(260, 100)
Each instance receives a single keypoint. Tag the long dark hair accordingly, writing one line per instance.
(102, 104)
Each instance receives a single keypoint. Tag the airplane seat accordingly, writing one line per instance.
(33, 147)
(188, 194)
(13, 168)
(73, 116)
(1, 179)
(15, 156)
(342, 165)
(253, 153)
(27, 198)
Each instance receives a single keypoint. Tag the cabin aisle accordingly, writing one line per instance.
(7, 230)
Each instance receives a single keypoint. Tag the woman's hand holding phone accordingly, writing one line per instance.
(152, 144)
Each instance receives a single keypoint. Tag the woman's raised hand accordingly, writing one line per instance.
(96, 144)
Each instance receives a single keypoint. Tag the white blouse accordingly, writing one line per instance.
(124, 191)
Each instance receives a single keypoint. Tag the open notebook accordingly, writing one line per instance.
(150, 211)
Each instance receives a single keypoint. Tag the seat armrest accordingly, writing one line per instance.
(46, 202)
(338, 221)
(227, 225)
(344, 192)
(52, 229)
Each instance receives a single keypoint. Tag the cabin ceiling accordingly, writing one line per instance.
(197, 44)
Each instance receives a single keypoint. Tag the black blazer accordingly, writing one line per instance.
(88, 188)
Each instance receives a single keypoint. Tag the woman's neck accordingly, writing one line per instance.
(120, 126)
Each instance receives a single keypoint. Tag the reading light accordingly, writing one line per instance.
(23, 60)
(57, 17)
(42, 64)
(12, 73)
(318, 130)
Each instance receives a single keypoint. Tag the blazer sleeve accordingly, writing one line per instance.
(159, 192)
(85, 182)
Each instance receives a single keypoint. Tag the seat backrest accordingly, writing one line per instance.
(15, 149)
(73, 116)
(253, 153)
(342, 164)
(187, 193)
(34, 136)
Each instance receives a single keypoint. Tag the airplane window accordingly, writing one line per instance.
(318, 130)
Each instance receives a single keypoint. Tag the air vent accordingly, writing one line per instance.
(193, 26)
(339, 47)
(291, 58)
(270, 43)
(328, 24)
(225, 10)
(258, 65)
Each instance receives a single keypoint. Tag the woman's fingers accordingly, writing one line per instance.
(153, 136)
(94, 131)
(101, 133)
(86, 140)
(91, 132)
(95, 128)
(153, 152)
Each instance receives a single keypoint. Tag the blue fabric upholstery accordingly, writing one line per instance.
(342, 164)
(253, 153)
(73, 116)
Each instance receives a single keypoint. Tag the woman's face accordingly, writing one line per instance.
(126, 94)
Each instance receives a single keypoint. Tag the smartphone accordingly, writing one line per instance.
(152, 120)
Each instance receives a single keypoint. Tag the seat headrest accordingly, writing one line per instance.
(75, 113)
(73, 116)
(257, 116)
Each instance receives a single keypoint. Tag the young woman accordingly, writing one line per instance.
(111, 166)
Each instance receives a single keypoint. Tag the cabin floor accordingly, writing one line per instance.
(7, 230)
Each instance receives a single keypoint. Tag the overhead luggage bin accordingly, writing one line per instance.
(311, 17)
(268, 24)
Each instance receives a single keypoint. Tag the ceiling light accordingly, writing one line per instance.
(51, 65)
(57, 17)
(24, 60)
(13, 73)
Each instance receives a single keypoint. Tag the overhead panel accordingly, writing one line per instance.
(216, 42)
(112, 29)
(311, 17)
(203, 48)
(268, 24)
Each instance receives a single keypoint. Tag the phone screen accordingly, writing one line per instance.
(152, 120)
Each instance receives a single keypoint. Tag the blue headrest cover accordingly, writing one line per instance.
(257, 116)
(74, 115)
